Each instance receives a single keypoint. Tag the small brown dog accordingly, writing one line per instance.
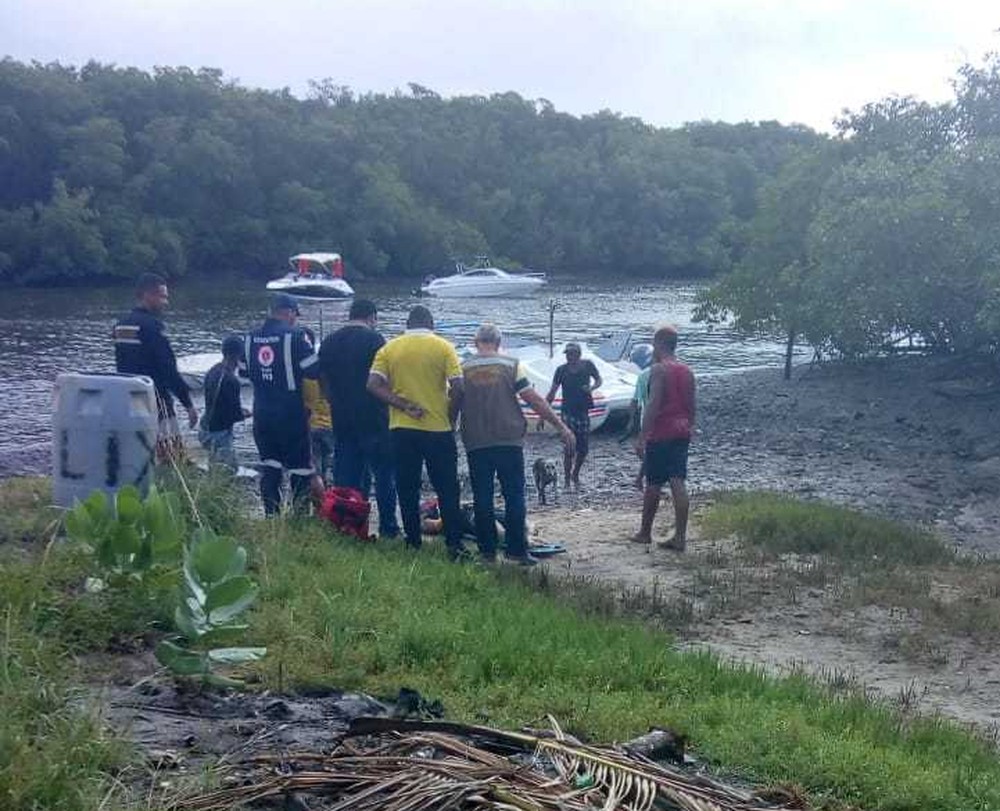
(546, 474)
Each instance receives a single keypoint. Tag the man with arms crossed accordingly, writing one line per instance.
(418, 375)
(493, 428)
(667, 425)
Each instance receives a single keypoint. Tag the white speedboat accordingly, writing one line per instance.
(315, 276)
(482, 281)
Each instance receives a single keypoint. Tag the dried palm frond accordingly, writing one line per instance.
(404, 765)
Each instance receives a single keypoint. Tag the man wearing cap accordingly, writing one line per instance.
(667, 425)
(578, 379)
(223, 408)
(418, 375)
(276, 358)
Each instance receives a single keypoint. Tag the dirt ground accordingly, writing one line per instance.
(915, 440)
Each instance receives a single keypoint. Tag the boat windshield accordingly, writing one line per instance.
(327, 264)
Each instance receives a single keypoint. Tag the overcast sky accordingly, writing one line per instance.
(666, 61)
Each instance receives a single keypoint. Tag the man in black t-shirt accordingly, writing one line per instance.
(362, 444)
(223, 408)
(577, 378)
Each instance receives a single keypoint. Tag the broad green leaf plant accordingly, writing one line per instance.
(130, 536)
(215, 591)
(142, 541)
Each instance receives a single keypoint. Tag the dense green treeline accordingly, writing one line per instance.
(886, 237)
(105, 171)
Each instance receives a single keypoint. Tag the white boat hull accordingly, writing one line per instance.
(445, 288)
(193, 368)
(316, 288)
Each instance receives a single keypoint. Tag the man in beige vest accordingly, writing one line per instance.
(493, 429)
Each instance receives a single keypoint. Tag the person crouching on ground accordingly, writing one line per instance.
(667, 426)
(493, 429)
(578, 379)
(418, 375)
(223, 407)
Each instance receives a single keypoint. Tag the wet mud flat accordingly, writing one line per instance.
(913, 439)
(916, 439)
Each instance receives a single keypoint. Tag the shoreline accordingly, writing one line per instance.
(914, 439)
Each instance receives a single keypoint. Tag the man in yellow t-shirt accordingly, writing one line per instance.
(419, 376)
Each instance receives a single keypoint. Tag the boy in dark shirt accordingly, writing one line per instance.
(223, 407)
(574, 377)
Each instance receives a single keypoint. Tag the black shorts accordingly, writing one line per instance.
(666, 460)
(579, 425)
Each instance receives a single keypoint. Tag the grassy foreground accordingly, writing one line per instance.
(493, 645)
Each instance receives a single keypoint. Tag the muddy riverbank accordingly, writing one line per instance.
(916, 439)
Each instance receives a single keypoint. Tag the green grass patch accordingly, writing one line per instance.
(782, 524)
(54, 753)
(498, 646)
(509, 649)
(26, 514)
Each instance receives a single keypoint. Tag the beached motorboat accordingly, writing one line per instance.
(315, 276)
(482, 280)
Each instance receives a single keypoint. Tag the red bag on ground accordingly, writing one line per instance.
(347, 509)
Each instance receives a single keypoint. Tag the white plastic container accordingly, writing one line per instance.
(103, 435)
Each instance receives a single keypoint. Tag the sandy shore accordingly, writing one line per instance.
(916, 439)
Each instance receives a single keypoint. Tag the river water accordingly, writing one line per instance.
(46, 332)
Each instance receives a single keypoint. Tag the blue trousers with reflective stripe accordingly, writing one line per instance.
(283, 444)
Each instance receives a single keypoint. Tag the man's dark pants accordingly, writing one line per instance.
(506, 463)
(283, 443)
(358, 457)
(411, 449)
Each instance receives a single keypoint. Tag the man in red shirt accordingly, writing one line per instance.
(667, 425)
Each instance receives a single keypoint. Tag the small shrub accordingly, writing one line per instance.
(215, 591)
(128, 535)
